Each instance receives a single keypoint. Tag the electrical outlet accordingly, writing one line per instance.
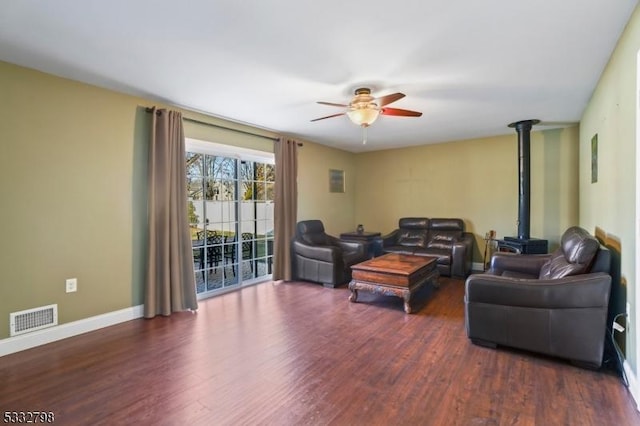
(71, 285)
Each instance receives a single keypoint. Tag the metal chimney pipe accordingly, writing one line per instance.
(523, 128)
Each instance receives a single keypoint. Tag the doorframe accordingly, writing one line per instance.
(239, 154)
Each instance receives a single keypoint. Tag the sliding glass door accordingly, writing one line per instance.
(230, 210)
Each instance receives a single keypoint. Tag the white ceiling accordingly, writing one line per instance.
(470, 66)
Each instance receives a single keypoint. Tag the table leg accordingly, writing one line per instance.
(353, 297)
(435, 282)
(407, 301)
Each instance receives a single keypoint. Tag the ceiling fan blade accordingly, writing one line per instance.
(400, 112)
(332, 104)
(386, 100)
(329, 116)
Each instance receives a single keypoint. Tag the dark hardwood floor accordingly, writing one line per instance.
(301, 354)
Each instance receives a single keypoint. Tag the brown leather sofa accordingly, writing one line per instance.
(322, 258)
(555, 304)
(444, 238)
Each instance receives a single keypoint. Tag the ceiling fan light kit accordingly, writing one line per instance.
(364, 109)
(363, 116)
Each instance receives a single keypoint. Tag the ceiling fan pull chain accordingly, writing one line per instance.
(364, 134)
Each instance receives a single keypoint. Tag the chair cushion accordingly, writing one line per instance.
(315, 239)
(413, 223)
(446, 224)
(574, 256)
(558, 267)
(444, 231)
(443, 239)
(312, 232)
(579, 246)
(411, 239)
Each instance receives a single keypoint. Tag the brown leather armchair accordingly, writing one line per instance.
(554, 304)
(322, 258)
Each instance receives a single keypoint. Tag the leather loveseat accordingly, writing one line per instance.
(555, 304)
(443, 238)
(322, 258)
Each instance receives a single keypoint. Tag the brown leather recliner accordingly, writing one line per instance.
(444, 238)
(322, 258)
(554, 304)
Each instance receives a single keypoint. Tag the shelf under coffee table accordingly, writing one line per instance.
(393, 275)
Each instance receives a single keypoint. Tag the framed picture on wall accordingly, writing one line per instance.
(336, 180)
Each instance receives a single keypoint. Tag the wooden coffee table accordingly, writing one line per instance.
(394, 275)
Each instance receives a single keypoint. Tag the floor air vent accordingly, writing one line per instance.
(33, 319)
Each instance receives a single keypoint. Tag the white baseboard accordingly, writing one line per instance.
(633, 383)
(48, 335)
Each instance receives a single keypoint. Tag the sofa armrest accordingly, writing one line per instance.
(322, 253)
(354, 247)
(577, 291)
(461, 255)
(390, 239)
(529, 264)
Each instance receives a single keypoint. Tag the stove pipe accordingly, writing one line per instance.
(523, 128)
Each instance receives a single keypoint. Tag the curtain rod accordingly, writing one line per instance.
(192, 120)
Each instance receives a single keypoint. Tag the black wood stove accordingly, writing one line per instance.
(523, 243)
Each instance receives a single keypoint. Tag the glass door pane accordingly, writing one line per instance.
(231, 218)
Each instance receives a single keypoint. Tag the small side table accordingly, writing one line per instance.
(373, 241)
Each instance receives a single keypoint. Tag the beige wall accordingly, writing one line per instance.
(610, 204)
(66, 170)
(336, 210)
(476, 180)
(73, 179)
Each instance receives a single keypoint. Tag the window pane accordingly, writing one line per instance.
(211, 190)
(270, 191)
(226, 168)
(260, 191)
(248, 210)
(246, 170)
(194, 188)
(194, 164)
(248, 228)
(268, 208)
(228, 191)
(229, 229)
(261, 210)
(270, 172)
(209, 166)
(213, 213)
(263, 227)
(195, 210)
(246, 190)
(227, 211)
(261, 248)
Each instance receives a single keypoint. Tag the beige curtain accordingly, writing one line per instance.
(170, 281)
(286, 206)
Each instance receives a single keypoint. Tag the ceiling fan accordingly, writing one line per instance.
(364, 109)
